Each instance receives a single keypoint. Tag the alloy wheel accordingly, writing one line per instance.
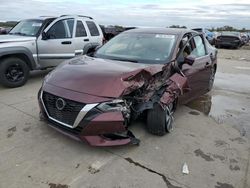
(14, 73)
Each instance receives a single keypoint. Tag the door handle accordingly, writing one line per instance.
(66, 42)
(86, 40)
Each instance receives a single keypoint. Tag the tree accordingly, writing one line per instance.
(177, 26)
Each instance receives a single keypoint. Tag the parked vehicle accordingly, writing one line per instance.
(229, 39)
(112, 31)
(210, 36)
(138, 72)
(41, 43)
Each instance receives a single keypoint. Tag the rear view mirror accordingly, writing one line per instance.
(190, 59)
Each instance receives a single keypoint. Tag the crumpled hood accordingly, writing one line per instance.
(101, 77)
(15, 38)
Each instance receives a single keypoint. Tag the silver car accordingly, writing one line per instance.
(45, 42)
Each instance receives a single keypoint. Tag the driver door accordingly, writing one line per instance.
(58, 45)
(198, 73)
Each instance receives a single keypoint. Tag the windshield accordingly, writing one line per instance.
(27, 28)
(139, 47)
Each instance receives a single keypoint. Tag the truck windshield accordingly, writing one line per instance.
(27, 28)
(145, 48)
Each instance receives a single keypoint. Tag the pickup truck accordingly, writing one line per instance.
(45, 42)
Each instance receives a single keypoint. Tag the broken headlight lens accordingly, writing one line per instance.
(115, 105)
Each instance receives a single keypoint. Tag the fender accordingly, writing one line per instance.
(19, 50)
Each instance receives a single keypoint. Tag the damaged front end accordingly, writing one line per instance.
(145, 89)
(104, 121)
(163, 87)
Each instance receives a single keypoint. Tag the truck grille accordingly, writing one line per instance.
(68, 114)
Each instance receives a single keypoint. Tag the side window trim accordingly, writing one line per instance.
(86, 28)
(67, 29)
(204, 43)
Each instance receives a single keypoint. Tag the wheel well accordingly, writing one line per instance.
(20, 56)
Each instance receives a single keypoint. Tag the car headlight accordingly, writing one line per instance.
(115, 105)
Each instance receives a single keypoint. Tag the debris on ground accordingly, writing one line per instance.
(95, 167)
(185, 168)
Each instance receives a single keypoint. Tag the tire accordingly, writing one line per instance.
(211, 79)
(159, 120)
(14, 72)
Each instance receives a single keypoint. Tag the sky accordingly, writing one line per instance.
(144, 13)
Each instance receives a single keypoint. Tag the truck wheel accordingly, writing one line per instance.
(14, 72)
(159, 120)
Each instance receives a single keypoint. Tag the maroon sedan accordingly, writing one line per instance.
(139, 73)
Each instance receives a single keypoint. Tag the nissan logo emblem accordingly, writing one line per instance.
(60, 104)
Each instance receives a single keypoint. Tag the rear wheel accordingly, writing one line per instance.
(14, 72)
(159, 120)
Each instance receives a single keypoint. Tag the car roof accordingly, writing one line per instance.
(173, 31)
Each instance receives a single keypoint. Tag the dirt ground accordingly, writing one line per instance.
(211, 136)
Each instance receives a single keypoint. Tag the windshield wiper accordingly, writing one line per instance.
(121, 59)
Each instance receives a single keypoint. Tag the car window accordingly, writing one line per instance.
(139, 47)
(61, 29)
(27, 27)
(80, 29)
(199, 48)
(92, 28)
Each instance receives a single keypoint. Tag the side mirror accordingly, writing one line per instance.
(44, 36)
(190, 59)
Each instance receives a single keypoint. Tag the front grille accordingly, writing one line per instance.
(68, 114)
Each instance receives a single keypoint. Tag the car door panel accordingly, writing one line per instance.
(53, 51)
(81, 38)
(197, 74)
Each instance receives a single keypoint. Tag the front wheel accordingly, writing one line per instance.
(160, 120)
(14, 72)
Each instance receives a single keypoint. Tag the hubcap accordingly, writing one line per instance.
(14, 73)
(169, 117)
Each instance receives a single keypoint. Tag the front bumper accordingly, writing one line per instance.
(227, 43)
(90, 125)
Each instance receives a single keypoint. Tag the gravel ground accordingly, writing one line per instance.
(242, 54)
